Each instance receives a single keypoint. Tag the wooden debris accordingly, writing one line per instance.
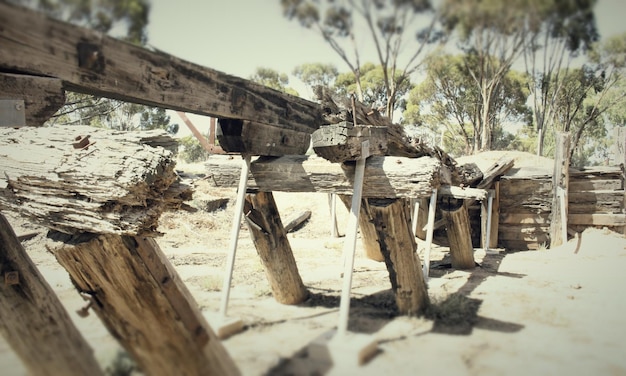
(297, 221)
(119, 183)
(33, 320)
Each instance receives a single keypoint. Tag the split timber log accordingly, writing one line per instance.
(143, 302)
(560, 184)
(385, 177)
(119, 183)
(459, 234)
(89, 62)
(389, 234)
(272, 245)
(254, 138)
(42, 96)
(33, 320)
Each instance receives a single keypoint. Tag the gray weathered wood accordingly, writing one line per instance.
(42, 96)
(90, 62)
(459, 235)
(33, 320)
(342, 142)
(384, 176)
(560, 182)
(254, 138)
(119, 184)
(143, 302)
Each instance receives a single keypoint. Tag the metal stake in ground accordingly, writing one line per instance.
(228, 327)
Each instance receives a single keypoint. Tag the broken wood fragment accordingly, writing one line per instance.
(297, 221)
(119, 184)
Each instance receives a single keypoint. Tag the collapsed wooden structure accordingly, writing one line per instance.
(104, 191)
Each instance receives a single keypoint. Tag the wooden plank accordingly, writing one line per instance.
(528, 233)
(342, 142)
(388, 177)
(143, 302)
(497, 169)
(525, 218)
(90, 62)
(525, 187)
(609, 220)
(462, 193)
(254, 138)
(580, 185)
(119, 184)
(42, 96)
(495, 218)
(297, 221)
(272, 245)
(33, 320)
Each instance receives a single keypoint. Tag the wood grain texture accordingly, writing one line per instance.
(120, 184)
(42, 96)
(33, 320)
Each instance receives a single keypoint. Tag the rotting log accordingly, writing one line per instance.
(89, 62)
(459, 233)
(144, 304)
(560, 183)
(106, 182)
(33, 320)
(385, 177)
(254, 138)
(398, 247)
(272, 245)
(42, 96)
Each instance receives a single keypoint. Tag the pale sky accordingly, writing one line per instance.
(238, 36)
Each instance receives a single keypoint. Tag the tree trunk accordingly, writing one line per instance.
(272, 245)
(143, 302)
(33, 320)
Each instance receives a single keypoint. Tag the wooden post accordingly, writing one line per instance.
(459, 234)
(560, 183)
(143, 302)
(420, 218)
(272, 245)
(33, 320)
(369, 236)
(397, 244)
(495, 218)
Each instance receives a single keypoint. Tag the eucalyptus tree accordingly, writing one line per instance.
(492, 34)
(394, 29)
(559, 32)
(316, 75)
(273, 79)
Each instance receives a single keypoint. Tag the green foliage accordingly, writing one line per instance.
(192, 151)
(315, 75)
(273, 79)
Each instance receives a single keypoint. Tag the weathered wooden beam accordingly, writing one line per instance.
(597, 219)
(143, 302)
(560, 184)
(254, 138)
(462, 193)
(297, 221)
(495, 218)
(272, 245)
(33, 320)
(342, 142)
(459, 234)
(498, 168)
(90, 62)
(388, 177)
(105, 182)
(42, 96)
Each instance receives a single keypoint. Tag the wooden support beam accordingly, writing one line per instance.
(42, 96)
(114, 182)
(342, 142)
(462, 193)
(497, 169)
(33, 320)
(90, 62)
(459, 234)
(495, 218)
(255, 138)
(397, 245)
(369, 235)
(388, 177)
(560, 183)
(420, 218)
(272, 245)
(143, 302)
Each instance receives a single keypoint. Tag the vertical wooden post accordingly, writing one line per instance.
(272, 245)
(33, 320)
(143, 302)
(560, 183)
(495, 218)
(420, 217)
(432, 208)
(397, 244)
(459, 235)
(332, 203)
(368, 230)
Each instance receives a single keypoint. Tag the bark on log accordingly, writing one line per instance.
(42, 96)
(90, 62)
(389, 177)
(272, 245)
(119, 184)
(143, 302)
(459, 235)
(397, 245)
(33, 320)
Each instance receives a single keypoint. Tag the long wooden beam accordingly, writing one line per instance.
(385, 177)
(90, 62)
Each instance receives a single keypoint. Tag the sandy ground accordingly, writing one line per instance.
(547, 312)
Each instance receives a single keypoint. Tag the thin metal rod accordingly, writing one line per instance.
(234, 234)
(350, 243)
(429, 233)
